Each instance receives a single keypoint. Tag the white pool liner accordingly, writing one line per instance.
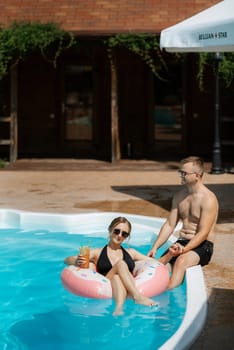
(196, 310)
(195, 315)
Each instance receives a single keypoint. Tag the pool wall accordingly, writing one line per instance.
(195, 315)
(66, 222)
(196, 310)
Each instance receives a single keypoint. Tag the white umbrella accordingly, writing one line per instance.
(210, 30)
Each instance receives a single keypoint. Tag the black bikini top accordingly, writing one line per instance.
(104, 264)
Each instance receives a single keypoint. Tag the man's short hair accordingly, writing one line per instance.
(198, 163)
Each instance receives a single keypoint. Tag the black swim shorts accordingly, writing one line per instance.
(204, 250)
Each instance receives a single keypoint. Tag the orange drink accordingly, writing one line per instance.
(84, 252)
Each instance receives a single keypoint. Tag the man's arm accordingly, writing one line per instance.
(167, 228)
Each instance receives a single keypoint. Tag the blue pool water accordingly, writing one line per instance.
(37, 313)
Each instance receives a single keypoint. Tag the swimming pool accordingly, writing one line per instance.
(38, 313)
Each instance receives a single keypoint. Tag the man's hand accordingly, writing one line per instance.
(176, 249)
(152, 253)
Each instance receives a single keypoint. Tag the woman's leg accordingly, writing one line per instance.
(119, 294)
(121, 269)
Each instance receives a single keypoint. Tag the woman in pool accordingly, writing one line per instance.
(117, 264)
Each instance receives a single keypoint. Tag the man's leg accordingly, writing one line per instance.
(182, 262)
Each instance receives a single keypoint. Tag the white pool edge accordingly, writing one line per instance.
(195, 315)
(196, 310)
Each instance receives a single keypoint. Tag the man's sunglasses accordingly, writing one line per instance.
(117, 231)
(184, 173)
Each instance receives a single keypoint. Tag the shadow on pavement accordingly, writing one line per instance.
(218, 332)
(162, 196)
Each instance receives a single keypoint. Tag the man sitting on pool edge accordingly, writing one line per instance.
(197, 207)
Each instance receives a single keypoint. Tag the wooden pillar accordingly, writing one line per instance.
(14, 114)
(115, 140)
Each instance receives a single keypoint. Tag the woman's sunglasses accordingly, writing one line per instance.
(117, 231)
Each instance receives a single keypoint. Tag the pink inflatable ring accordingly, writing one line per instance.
(151, 279)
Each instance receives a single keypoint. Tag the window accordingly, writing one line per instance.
(78, 106)
(168, 107)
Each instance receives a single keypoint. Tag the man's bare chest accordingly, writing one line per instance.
(190, 208)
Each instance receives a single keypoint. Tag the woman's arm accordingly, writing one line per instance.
(76, 259)
(71, 260)
(137, 256)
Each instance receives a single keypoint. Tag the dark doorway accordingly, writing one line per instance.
(168, 111)
(133, 94)
(37, 110)
(78, 110)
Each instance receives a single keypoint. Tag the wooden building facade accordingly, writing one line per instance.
(67, 111)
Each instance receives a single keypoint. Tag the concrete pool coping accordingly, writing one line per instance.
(196, 310)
